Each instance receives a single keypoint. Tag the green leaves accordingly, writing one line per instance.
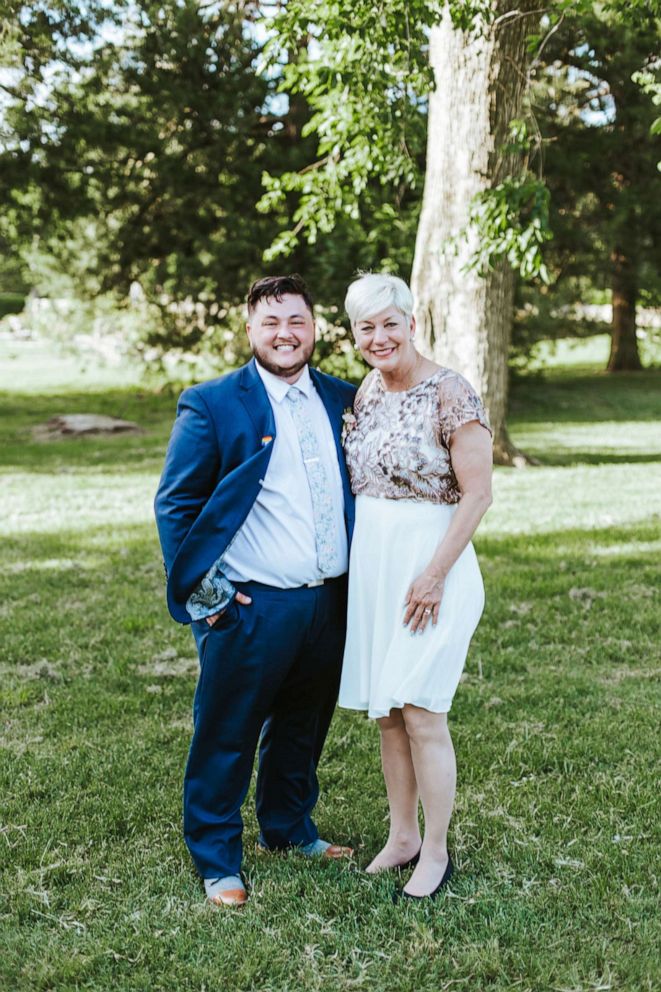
(142, 160)
(595, 111)
(512, 217)
(363, 72)
(649, 82)
(513, 223)
(152, 144)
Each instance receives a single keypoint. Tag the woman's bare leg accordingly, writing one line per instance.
(404, 836)
(435, 768)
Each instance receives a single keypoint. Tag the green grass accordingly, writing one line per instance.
(556, 826)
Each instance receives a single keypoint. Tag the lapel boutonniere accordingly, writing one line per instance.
(349, 423)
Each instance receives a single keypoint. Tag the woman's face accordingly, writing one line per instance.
(385, 339)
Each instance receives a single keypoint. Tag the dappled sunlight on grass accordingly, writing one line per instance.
(597, 443)
(53, 565)
(542, 499)
(41, 366)
(626, 548)
(528, 501)
(591, 352)
(48, 504)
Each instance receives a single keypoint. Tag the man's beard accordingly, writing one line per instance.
(302, 356)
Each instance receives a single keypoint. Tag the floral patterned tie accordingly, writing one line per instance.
(322, 502)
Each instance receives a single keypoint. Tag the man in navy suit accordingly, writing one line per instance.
(254, 512)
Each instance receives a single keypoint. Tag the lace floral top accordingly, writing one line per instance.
(397, 445)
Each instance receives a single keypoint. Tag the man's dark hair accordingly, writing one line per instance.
(275, 287)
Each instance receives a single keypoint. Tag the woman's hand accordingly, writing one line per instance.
(423, 600)
(470, 450)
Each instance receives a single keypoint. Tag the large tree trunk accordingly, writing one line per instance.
(464, 320)
(624, 355)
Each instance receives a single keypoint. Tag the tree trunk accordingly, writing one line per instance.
(624, 355)
(464, 320)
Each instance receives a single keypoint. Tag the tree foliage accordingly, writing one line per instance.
(366, 78)
(146, 149)
(600, 155)
(134, 136)
(134, 139)
(364, 72)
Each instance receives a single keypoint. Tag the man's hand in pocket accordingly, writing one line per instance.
(240, 598)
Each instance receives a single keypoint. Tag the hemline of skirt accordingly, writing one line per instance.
(443, 706)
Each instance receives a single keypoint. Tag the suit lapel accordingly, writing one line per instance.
(255, 399)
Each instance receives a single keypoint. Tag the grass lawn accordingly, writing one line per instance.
(556, 826)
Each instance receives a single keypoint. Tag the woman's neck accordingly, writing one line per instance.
(405, 375)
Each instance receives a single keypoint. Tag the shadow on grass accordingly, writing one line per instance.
(632, 540)
(30, 553)
(559, 395)
(109, 585)
(572, 459)
(118, 402)
(537, 402)
(20, 414)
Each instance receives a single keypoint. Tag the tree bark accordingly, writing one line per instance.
(624, 356)
(464, 320)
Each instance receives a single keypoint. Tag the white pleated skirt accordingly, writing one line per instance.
(386, 666)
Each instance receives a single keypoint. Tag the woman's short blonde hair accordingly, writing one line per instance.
(371, 293)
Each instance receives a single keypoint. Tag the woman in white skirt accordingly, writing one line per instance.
(418, 447)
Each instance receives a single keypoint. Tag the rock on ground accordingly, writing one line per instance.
(81, 424)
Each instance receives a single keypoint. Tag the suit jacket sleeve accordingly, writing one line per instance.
(190, 475)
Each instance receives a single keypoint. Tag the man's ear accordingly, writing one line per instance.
(412, 327)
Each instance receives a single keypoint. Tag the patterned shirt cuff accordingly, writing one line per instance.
(213, 594)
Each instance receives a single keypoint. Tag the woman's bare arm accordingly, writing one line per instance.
(472, 460)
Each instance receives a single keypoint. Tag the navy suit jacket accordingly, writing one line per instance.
(215, 465)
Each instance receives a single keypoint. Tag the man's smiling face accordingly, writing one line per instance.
(281, 334)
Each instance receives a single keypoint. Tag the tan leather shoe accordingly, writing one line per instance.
(230, 897)
(227, 891)
(316, 849)
(335, 852)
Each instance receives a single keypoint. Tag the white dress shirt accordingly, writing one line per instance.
(276, 544)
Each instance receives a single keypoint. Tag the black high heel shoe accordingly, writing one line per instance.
(447, 875)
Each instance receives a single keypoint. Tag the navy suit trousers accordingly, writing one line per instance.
(269, 675)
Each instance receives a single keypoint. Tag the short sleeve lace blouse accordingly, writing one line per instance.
(397, 445)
